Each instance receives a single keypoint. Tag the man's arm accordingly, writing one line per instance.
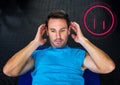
(22, 61)
(96, 60)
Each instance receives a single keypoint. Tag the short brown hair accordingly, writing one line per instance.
(58, 14)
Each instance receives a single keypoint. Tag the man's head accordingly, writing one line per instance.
(57, 24)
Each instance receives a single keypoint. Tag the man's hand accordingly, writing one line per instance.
(75, 26)
(39, 36)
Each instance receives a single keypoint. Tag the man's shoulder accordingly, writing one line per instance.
(42, 47)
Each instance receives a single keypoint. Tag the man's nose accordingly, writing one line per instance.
(58, 35)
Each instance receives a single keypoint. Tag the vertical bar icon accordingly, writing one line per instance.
(103, 24)
(94, 23)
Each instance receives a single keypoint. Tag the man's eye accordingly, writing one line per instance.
(52, 30)
(62, 30)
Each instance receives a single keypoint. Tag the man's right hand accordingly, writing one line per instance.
(39, 35)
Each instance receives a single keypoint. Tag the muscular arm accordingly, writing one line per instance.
(22, 61)
(96, 60)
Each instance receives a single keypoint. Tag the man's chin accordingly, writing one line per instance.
(58, 46)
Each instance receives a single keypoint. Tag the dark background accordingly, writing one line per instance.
(19, 20)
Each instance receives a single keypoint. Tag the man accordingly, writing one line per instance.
(58, 64)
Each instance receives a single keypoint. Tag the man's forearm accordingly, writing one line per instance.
(102, 61)
(18, 61)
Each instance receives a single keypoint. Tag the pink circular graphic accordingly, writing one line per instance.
(103, 7)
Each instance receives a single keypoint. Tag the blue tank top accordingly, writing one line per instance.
(58, 66)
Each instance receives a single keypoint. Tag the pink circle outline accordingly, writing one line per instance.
(98, 6)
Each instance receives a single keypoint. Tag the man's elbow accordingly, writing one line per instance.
(9, 73)
(109, 68)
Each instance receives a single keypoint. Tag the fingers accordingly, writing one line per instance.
(40, 32)
(75, 26)
(78, 33)
(73, 36)
(42, 29)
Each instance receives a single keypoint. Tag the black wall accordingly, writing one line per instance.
(19, 20)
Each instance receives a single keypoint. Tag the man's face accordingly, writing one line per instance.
(58, 32)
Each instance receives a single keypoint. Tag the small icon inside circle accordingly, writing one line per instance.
(99, 20)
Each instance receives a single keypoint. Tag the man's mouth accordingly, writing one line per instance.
(58, 40)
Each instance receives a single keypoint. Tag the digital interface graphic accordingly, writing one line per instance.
(99, 20)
